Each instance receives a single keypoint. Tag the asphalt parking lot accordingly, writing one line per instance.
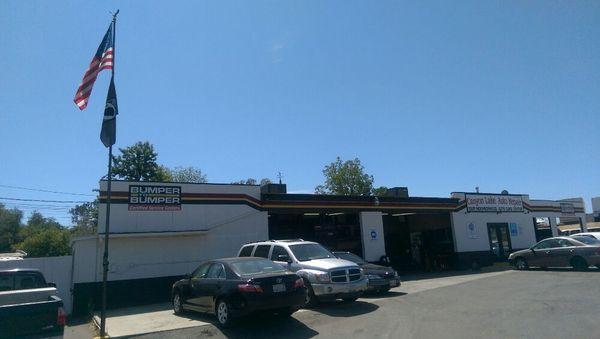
(508, 304)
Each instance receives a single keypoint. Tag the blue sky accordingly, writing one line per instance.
(435, 96)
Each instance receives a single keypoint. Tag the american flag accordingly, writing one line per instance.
(102, 60)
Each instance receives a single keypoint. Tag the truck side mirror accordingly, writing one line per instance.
(284, 257)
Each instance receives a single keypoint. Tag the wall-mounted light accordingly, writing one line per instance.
(336, 213)
(312, 214)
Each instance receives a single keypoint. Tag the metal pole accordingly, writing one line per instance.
(105, 257)
(108, 191)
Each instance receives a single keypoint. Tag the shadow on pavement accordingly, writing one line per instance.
(389, 294)
(345, 309)
(451, 273)
(260, 325)
(268, 326)
(562, 269)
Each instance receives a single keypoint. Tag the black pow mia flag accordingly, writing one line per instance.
(108, 135)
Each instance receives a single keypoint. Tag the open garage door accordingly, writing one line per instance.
(419, 241)
(338, 231)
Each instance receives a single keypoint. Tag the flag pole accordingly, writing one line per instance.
(108, 191)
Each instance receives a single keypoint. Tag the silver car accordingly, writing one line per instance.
(578, 252)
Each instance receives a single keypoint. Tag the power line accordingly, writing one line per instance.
(40, 200)
(47, 191)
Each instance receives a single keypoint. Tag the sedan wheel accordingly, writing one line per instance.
(223, 315)
(177, 305)
(521, 264)
(579, 264)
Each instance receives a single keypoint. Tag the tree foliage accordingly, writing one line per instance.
(380, 191)
(10, 224)
(252, 181)
(138, 163)
(346, 178)
(187, 174)
(43, 237)
(84, 218)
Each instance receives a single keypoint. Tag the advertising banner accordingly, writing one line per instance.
(494, 203)
(154, 198)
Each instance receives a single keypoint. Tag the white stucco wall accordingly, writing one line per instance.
(190, 217)
(524, 220)
(217, 231)
(461, 219)
(373, 247)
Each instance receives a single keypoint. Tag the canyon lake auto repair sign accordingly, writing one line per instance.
(154, 198)
(494, 203)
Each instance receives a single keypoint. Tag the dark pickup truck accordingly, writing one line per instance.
(29, 305)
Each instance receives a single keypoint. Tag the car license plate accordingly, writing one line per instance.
(278, 288)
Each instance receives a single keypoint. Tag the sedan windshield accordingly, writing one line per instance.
(305, 252)
(351, 257)
(259, 266)
(587, 240)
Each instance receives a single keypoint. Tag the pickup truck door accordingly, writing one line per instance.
(276, 254)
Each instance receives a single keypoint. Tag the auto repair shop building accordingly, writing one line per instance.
(161, 231)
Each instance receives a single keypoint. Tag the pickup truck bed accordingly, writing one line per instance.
(31, 317)
(29, 307)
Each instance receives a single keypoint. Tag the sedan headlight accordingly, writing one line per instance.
(322, 277)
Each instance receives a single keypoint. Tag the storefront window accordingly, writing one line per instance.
(542, 228)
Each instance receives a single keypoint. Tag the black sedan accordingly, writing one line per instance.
(234, 287)
(381, 278)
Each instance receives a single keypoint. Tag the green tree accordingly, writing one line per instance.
(49, 242)
(84, 218)
(252, 181)
(10, 226)
(346, 178)
(187, 174)
(380, 191)
(138, 163)
(43, 237)
(265, 181)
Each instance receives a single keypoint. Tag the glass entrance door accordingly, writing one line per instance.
(499, 240)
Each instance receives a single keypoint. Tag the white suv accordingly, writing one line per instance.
(325, 276)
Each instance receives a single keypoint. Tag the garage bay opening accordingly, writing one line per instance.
(419, 241)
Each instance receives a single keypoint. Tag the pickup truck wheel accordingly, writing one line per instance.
(177, 303)
(310, 299)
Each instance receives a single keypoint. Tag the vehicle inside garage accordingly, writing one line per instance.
(338, 231)
(419, 241)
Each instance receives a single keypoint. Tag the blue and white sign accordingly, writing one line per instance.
(514, 230)
(373, 234)
(472, 231)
